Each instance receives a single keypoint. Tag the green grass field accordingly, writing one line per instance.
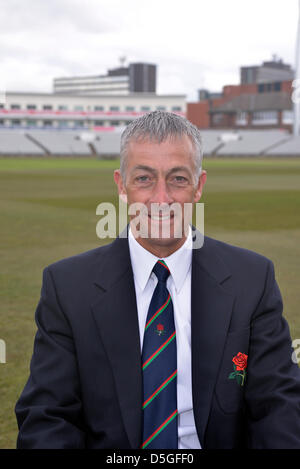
(48, 211)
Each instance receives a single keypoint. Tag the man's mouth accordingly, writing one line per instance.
(161, 217)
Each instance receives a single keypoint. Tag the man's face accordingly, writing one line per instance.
(161, 174)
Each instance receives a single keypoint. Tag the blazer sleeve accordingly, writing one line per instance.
(273, 379)
(49, 409)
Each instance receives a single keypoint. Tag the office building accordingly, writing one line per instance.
(136, 78)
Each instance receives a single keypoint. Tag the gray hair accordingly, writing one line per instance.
(159, 126)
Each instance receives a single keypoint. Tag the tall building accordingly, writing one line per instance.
(136, 78)
(272, 71)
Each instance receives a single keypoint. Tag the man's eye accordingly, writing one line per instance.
(142, 179)
(180, 180)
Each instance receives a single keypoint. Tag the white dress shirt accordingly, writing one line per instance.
(179, 286)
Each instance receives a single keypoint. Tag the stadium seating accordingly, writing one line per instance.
(60, 143)
(211, 140)
(107, 144)
(253, 142)
(16, 143)
(289, 148)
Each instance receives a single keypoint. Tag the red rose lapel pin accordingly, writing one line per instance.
(239, 366)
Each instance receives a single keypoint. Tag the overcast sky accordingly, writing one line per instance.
(195, 43)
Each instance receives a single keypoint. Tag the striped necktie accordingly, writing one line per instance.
(159, 363)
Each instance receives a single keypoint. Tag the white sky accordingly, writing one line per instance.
(195, 43)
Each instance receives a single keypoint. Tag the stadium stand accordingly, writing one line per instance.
(253, 142)
(289, 148)
(107, 144)
(16, 143)
(60, 143)
(211, 140)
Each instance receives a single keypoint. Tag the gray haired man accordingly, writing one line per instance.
(149, 343)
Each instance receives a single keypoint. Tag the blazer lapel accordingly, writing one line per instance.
(211, 313)
(115, 313)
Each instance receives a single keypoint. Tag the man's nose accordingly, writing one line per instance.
(161, 193)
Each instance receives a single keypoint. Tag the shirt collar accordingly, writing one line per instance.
(143, 261)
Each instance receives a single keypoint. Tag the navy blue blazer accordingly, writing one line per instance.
(85, 383)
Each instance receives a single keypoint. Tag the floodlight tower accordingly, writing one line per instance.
(296, 129)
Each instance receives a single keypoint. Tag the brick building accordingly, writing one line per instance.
(263, 103)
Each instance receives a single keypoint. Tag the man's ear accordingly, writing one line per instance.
(200, 185)
(119, 181)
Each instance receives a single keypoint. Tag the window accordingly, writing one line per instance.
(47, 107)
(265, 118)
(15, 106)
(31, 123)
(176, 108)
(241, 118)
(47, 124)
(62, 124)
(268, 87)
(1, 106)
(115, 123)
(31, 106)
(1, 122)
(261, 88)
(129, 108)
(161, 108)
(114, 108)
(145, 108)
(16, 122)
(78, 108)
(62, 107)
(99, 123)
(277, 86)
(98, 108)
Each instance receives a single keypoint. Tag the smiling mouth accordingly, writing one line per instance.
(161, 217)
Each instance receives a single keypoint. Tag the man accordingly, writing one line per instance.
(149, 343)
